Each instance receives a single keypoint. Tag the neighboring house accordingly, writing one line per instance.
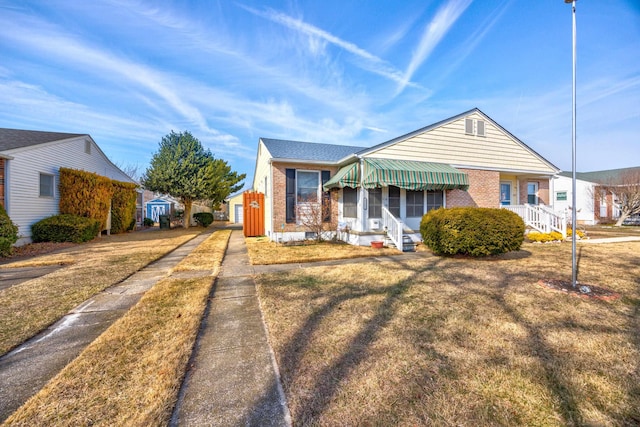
(29, 169)
(383, 191)
(234, 206)
(594, 203)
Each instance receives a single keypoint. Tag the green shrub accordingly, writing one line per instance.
(472, 231)
(65, 228)
(148, 222)
(8, 233)
(203, 219)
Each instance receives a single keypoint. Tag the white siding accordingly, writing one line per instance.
(233, 202)
(24, 205)
(584, 199)
(451, 145)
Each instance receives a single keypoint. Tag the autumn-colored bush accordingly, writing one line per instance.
(123, 207)
(85, 194)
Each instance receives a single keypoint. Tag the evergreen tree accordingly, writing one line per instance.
(183, 169)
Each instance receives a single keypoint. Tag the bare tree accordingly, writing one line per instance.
(625, 192)
(131, 169)
(317, 216)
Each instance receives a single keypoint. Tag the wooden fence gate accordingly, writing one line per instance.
(253, 214)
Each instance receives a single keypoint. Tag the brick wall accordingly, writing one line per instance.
(483, 192)
(280, 200)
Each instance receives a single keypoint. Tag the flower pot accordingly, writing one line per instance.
(377, 244)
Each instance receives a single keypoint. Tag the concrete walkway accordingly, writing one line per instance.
(233, 378)
(26, 369)
(610, 240)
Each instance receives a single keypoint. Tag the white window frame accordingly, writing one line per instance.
(535, 194)
(475, 127)
(318, 195)
(53, 185)
(480, 124)
(468, 126)
(344, 205)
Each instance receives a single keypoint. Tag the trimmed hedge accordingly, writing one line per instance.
(85, 194)
(472, 231)
(148, 222)
(203, 219)
(8, 233)
(123, 207)
(65, 228)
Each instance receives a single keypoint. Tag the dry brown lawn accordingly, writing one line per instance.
(132, 373)
(264, 252)
(31, 306)
(460, 342)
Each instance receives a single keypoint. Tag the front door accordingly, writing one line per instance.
(505, 193)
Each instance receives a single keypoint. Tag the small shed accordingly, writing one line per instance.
(234, 204)
(157, 207)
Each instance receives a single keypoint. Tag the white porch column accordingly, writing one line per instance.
(362, 197)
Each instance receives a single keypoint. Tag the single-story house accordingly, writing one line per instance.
(29, 171)
(595, 204)
(383, 191)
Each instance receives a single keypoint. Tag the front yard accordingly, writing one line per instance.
(456, 341)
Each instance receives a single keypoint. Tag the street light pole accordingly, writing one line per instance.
(574, 268)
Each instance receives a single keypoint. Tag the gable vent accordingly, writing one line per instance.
(474, 127)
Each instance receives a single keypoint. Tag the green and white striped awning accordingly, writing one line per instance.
(407, 174)
(412, 175)
(347, 176)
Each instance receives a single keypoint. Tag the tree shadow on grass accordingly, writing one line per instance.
(313, 404)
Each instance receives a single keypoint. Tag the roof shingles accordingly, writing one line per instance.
(17, 138)
(308, 151)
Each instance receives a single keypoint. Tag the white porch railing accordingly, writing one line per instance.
(540, 218)
(393, 226)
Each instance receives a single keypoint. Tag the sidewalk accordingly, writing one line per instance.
(233, 378)
(610, 240)
(27, 368)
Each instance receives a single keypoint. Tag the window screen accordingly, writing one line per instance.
(394, 201)
(415, 203)
(46, 185)
(435, 200)
(350, 202)
(375, 203)
(307, 186)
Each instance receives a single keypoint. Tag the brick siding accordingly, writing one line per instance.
(483, 192)
(543, 191)
(280, 199)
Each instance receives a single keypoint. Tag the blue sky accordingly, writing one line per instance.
(344, 72)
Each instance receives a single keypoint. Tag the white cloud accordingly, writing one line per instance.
(433, 33)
